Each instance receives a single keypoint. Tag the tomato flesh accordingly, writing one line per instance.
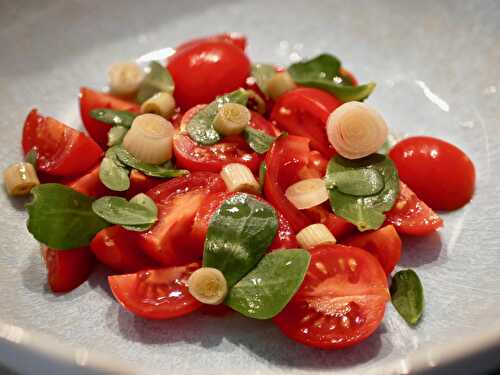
(178, 200)
(412, 216)
(205, 70)
(339, 227)
(384, 244)
(341, 301)
(140, 183)
(62, 151)
(90, 184)
(115, 247)
(304, 112)
(437, 171)
(91, 99)
(156, 294)
(67, 269)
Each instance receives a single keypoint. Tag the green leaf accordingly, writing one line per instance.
(113, 117)
(361, 182)
(62, 218)
(200, 127)
(157, 80)
(322, 72)
(407, 296)
(267, 289)
(147, 203)
(31, 157)
(262, 74)
(258, 141)
(117, 210)
(262, 175)
(164, 171)
(239, 234)
(111, 154)
(366, 212)
(113, 176)
(116, 135)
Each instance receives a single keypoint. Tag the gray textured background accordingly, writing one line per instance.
(437, 69)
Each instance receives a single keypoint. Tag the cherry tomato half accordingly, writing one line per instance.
(437, 171)
(178, 200)
(412, 216)
(383, 243)
(341, 301)
(304, 112)
(156, 294)
(62, 151)
(237, 39)
(115, 247)
(205, 70)
(91, 99)
(67, 269)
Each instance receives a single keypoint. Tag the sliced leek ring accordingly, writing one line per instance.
(307, 193)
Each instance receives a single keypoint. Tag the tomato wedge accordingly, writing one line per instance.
(156, 294)
(341, 301)
(285, 236)
(304, 112)
(91, 99)
(323, 214)
(62, 151)
(67, 269)
(234, 149)
(140, 183)
(412, 216)
(90, 184)
(115, 247)
(178, 200)
(384, 244)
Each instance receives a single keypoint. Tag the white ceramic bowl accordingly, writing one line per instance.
(436, 65)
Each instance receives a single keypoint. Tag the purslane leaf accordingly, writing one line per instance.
(113, 176)
(113, 117)
(157, 80)
(62, 218)
(262, 73)
(116, 135)
(147, 203)
(266, 290)
(239, 234)
(200, 127)
(360, 182)
(258, 141)
(407, 295)
(117, 210)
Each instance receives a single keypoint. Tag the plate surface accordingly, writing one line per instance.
(436, 66)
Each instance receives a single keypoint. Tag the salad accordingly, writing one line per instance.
(208, 182)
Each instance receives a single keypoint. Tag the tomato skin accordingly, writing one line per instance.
(412, 216)
(437, 171)
(234, 149)
(91, 99)
(62, 151)
(237, 39)
(285, 236)
(341, 301)
(156, 294)
(206, 70)
(90, 184)
(168, 241)
(384, 244)
(115, 247)
(67, 269)
(304, 112)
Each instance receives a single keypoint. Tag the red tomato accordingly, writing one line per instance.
(90, 184)
(285, 236)
(140, 183)
(237, 39)
(383, 243)
(89, 100)
(412, 216)
(437, 171)
(115, 247)
(341, 301)
(178, 200)
(62, 151)
(67, 269)
(317, 163)
(156, 294)
(304, 112)
(234, 149)
(323, 214)
(205, 70)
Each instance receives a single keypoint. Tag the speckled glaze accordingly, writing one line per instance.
(437, 69)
